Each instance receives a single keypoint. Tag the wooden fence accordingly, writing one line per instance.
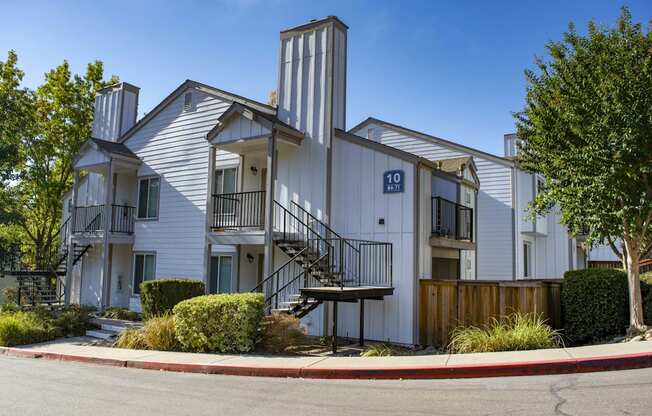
(445, 304)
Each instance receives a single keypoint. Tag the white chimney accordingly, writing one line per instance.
(116, 108)
(312, 99)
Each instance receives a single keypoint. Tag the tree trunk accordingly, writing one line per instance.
(636, 323)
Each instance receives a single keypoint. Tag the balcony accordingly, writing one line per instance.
(452, 224)
(90, 219)
(238, 218)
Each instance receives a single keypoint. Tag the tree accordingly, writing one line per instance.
(47, 127)
(587, 129)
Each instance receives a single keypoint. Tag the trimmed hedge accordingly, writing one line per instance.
(596, 304)
(158, 297)
(219, 323)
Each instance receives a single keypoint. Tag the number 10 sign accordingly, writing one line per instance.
(393, 181)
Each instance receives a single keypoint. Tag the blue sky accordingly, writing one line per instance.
(453, 69)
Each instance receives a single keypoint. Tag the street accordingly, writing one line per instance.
(39, 387)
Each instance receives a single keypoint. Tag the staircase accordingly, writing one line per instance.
(318, 257)
(40, 281)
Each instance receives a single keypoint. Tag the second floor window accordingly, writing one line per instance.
(225, 181)
(148, 195)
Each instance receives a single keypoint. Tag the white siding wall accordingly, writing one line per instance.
(115, 113)
(173, 145)
(91, 273)
(494, 221)
(358, 203)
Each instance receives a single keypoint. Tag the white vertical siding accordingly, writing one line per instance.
(173, 145)
(358, 203)
(115, 112)
(494, 229)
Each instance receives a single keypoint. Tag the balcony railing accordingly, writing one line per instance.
(451, 220)
(238, 210)
(90, 219)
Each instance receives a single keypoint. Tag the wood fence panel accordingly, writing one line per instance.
(446, 304)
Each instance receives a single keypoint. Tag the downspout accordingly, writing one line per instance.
(514, 221)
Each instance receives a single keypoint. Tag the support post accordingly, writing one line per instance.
(208, 247)
(269, 204)
(106, 248)
(334, 331)
(70, 243)
(362, 322)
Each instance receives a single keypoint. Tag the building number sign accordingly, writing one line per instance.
(393, 181)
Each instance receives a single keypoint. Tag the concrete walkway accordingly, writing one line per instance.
(553, 361)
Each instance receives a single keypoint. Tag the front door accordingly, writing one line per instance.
(221, 273)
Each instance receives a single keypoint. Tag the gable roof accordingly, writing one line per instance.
(186, 85)
(442, 142)
(268, 120)
(112, 148)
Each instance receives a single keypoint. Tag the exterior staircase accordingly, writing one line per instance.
(317, 257)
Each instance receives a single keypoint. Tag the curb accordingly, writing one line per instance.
(513, 369)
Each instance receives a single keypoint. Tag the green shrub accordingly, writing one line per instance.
(158, 297)
(516, 332)
(219, 323)
(21, 328)
(646, 295)
(74, 320)
(132, 339)
(280, 331)
(595, 303)
(10, 294)
(9, 308)
(122, 314)
(159, 334)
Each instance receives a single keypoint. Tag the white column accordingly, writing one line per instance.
(209, 216)
(71, 228)
(106, 245)
(269, 205)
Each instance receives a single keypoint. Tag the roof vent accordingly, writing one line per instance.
(187, 102)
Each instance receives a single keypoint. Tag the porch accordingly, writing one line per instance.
(451, 225)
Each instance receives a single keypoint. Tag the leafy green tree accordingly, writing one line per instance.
(43, 129)
(587, 128)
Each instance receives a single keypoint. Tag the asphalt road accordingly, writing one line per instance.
(38, 387)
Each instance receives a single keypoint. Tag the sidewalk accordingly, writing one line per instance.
(519, 363)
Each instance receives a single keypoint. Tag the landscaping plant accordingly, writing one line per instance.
(515, 332)
(586, 129)
(159, 334)
(19, 328)
(122, 314)
(378, 350)
(131, 338)
(158, 297)
(281, 331)
(219, 323)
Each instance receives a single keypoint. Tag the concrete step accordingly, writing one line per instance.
(100, 334)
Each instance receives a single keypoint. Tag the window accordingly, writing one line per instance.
(144, 269)
(527, 259)
(148, 195)
(226, 183)
(467, 197)
(221, 271)
(540, 185)
(187, 102)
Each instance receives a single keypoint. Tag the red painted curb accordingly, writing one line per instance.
(526, 368)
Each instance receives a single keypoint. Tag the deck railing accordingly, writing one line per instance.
(238, 210)
(90, 219)
(451, 220)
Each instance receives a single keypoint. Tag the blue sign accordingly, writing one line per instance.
(393, 181)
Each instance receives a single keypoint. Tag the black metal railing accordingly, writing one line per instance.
(238, 210)
(452, 220)
(89, 219)
(321, 257)
(122, 219)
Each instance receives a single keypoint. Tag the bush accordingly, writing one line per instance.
(646, 294)
(378, 350)
(219, 323)
(73, 321)
(159, 334)
(281, 331)
(10, 294)
(158, 297)
(122, 314)
(9, 308)
(516, 332)
(132, 339)
(21, 328)
(596, 304)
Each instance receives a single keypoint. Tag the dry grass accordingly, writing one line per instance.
(281, 332)
(157, 334)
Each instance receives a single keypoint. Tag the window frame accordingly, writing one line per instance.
(219, 256)
(133, 269)
(527, 259)
(236, 174)
(158, 200)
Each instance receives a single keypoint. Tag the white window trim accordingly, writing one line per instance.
(133, 269)
(158, 200)
(237, 176)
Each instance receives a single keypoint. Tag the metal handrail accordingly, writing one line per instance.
(260, 285)
(446, 219)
